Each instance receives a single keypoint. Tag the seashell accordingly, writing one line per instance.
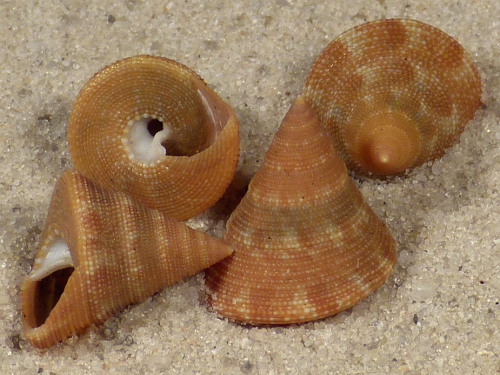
(393, 94)
(306, 245)
(151, 128)
(101, 251)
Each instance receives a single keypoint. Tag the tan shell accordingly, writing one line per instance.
(131, 113)
(101, 251)
(393, 94)
(306, 245)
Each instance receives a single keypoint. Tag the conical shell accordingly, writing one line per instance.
(101, 251)
(150, 127)
(393, 94)
(306, 245)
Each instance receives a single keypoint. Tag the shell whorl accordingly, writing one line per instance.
(150, 127)
(393, 94)
(306, 245)
(101, 251)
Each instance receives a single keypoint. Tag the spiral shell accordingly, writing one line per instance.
(151, 128)
(393, 94)
(101, 251)
(306, 245)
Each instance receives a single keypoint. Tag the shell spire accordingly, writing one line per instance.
(151, 128)
(393, 94)
(101, 251)
(306, 245)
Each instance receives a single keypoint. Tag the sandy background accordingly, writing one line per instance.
(439, 312)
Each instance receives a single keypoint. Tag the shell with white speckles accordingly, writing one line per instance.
(393, 94)
(101, 251)
(306, 245)
(151, 128)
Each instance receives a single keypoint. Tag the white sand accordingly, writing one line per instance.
(440, 311)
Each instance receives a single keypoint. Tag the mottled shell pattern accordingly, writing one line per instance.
(151, 142)
(393, 94)
(306, 245)
(150, 127)
(101, 251)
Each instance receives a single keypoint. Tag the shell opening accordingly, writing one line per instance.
(146, 138)
(50, 276)
(47, 293)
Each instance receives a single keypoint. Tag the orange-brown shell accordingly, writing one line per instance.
(101, 251)
(306, 245)
(199, 157)
(393, 94)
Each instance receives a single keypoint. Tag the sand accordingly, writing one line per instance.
(438, 313)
